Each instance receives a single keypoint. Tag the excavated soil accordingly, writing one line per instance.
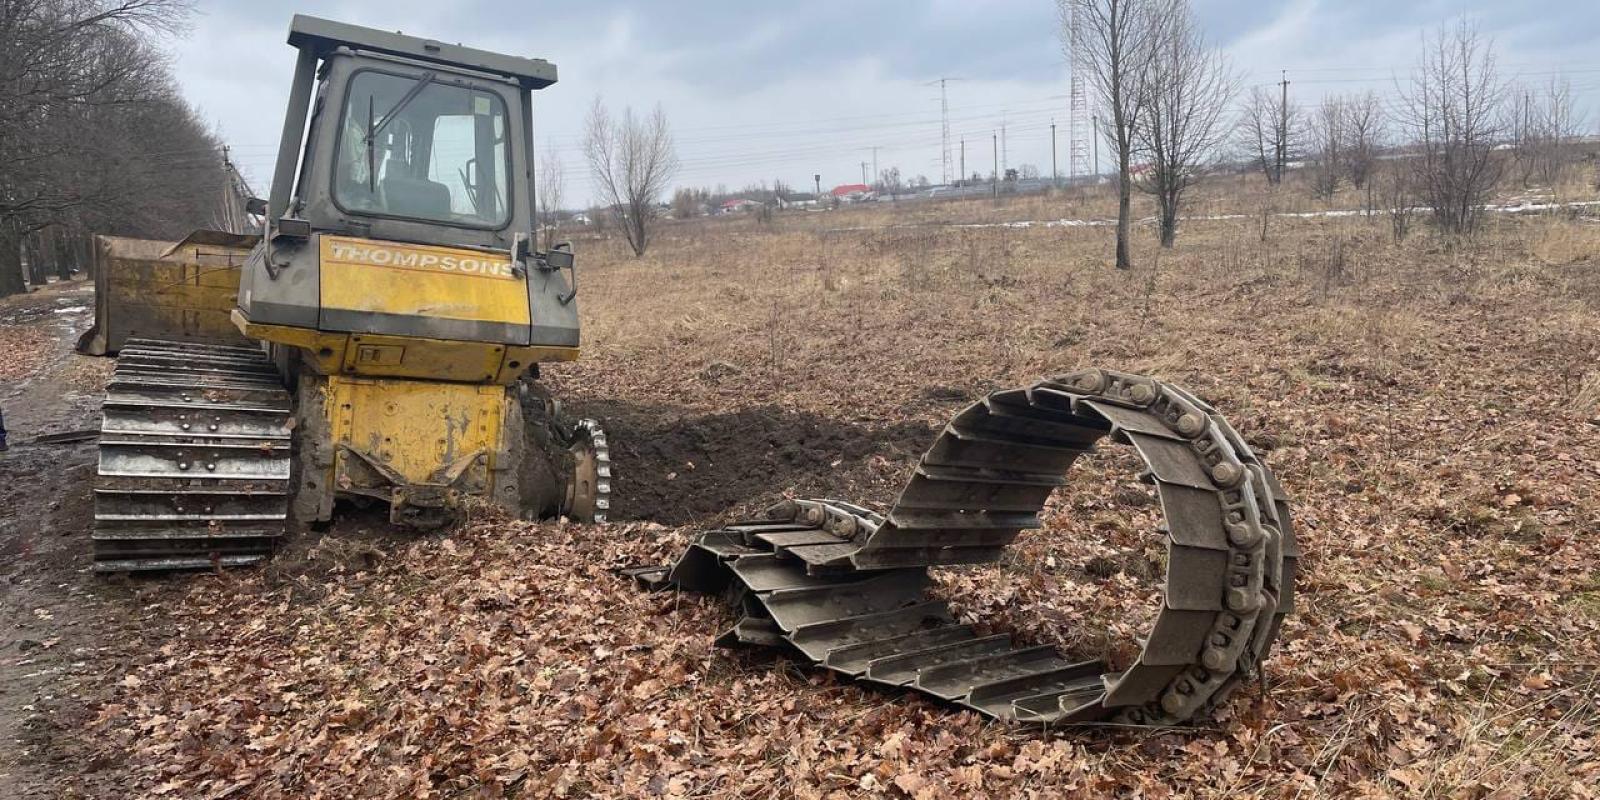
(675, 467)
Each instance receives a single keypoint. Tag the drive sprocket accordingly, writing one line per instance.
(589, 487)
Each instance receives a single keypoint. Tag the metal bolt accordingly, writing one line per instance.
(1142, 393)
(211, 427)
(843, 526)
(1190, 425)
(1240, 600)
(1171, 703)
(1214, 659)
(184, 426)
(211, 466)
(183, 465)
(1227, 474)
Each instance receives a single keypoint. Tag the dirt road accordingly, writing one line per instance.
(62, 630)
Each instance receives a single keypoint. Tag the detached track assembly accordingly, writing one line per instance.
(845, 586)
(194, 458)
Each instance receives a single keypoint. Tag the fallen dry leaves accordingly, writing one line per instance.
(24, 350)
(1415, 403)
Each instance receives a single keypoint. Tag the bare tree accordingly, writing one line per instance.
(889, 181)
(1328, 132)
(1364, 131)
(552, 187)
(1452, 112)
(1116, 40)
(1550, 124)
(690, 201)
(1188, 86)
(1269, 131)
(1394, 185)
(632, 161)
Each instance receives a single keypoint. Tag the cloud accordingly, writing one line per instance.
(764, 91)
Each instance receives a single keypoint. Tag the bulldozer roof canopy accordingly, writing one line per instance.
(321, 36)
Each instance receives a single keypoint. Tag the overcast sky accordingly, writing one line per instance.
(759, 91)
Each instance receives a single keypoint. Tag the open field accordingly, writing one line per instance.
(1433, 409)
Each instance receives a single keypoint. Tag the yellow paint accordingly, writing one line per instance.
(403, 356)
(418, 429)
(421, 281)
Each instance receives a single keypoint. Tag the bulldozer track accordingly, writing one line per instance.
(846, 587)
(194, 464)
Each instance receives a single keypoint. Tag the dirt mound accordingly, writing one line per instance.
(675, 467)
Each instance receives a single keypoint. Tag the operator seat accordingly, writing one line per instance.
(411, 196)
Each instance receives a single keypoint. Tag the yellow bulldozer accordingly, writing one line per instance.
(378, 341)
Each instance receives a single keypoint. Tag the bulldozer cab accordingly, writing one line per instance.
(409, 139)
(402, 205)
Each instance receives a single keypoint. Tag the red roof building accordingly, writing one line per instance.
(848, 189)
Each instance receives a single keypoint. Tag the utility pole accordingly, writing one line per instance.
(994, 180)
(963, 176)
(875, 174)
(864, 175)
(1005, 160)
(1055, 175)
(1097, 148)
(1283, 128)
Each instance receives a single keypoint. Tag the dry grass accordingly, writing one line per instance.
(1416, 399)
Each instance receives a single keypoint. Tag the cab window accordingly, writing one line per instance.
(418, 148)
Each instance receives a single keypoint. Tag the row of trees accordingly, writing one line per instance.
(1454, 106)
(94, 136)
(1455, 131)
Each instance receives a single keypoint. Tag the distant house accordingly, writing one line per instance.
(737, 205)
(852, 192)
(787, 201)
